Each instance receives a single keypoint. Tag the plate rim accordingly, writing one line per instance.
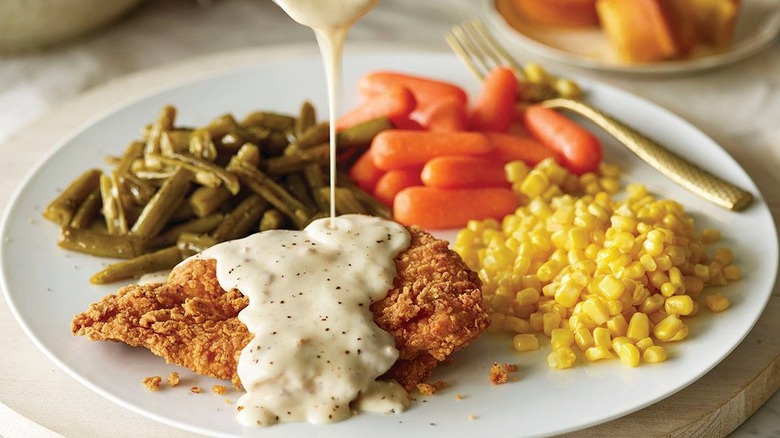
(241, 62)
(760, 41)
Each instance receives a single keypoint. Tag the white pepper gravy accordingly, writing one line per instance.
(316, 347)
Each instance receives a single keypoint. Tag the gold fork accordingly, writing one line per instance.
(477, 48)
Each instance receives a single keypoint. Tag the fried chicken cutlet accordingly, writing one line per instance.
(433, 309)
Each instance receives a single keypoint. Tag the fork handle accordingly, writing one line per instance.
(683, 172)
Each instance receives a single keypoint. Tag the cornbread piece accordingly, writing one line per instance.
(648, 30)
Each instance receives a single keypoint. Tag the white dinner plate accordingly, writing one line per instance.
(758, 24)
(45, 286)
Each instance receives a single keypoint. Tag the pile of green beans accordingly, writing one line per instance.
(179, 190)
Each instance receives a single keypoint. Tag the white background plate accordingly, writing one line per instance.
(46, 286)
(758, 24)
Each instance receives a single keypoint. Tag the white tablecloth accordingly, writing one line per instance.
(739, 106)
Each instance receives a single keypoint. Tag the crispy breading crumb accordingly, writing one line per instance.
(440, 384)
(219, 389)
(195, 389)
(458, 396)
(426, 388)
(472, 417)
(239, 408)
(173, 379)
(152, 383)
(499, 373)
(228, 401)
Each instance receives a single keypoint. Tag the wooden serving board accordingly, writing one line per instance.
(713, 406)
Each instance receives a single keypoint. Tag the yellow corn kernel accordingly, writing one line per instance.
(710, 235)
(648, 262)
(517, 325)
(561, 337)
(581, 321)
(669, 289)
(667, 328)
(547, 271)
(567, 295)
(550, 321)
(702, 272)
(693, 285)
(652, 304)
(629, 355)
(679, 305)
(723, 255)
(496, 322)
(614, 307)
(658, 278)
(611, 287)
(663, 262)
(602, 337)
(717, 302)
(618, 342)
(583, 338)
(732, 272)
(561, 358)
(597, 353)
(527, 296)
(680, 335)
(537, 324)
(596, 310)
(525, 342)
(516, 171)
(534, 184)
(617, 326)
(636, 190)
(638, 326)
(654, 354)
(657, 317)
(644, 343)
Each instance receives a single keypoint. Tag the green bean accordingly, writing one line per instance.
(101, 244)
(249, 153)
(345, 201)
(257, 134)
(113, 211)
(362, 134)
(307, 117)
(152, 149)
(207, 200)
(161, 260)
(269, 120)
(88, 211)
(276, 143)
(315, 135)
(374, 207)
(205, 171)
(205, 224)
(183, 212)
(316, 182)
(242, 220)
(62, 209)
(140, 190)
(192, 243)
(295, 184)
(165, 202)
(287, 164)
(222, 126)
(201, 146)
(133, 152)
(272, 219)
(280, 198)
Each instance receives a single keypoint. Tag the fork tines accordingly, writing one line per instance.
(472, 42)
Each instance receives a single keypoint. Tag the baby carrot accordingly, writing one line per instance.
(463, 172)
(396, 149)
(495, 105)
(425, 90)
(580, 150)
(447, 114)
(365, 173)
(393, 103)
(407, 123)
(437, 209)
(394, 181)
(512, 147)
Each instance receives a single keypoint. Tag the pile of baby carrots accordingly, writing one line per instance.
(444, 163)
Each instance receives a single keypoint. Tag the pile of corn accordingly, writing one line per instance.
(609, 277)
